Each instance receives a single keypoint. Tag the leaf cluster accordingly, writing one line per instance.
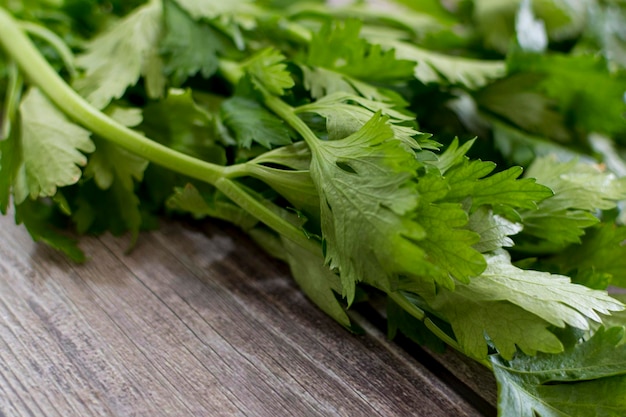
(465, 161)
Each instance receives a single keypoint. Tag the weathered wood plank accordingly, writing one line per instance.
(190, 323)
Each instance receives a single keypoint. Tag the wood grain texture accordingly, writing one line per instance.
(191, 322)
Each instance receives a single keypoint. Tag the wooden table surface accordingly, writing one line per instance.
(197, 321)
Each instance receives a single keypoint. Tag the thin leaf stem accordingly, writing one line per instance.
(265, 214)
(57, 43)
(407, 306)
(288, 114)
(420, 315)
(39, 72)
(12, 100)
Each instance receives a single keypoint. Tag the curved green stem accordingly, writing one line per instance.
(265, 214)
(37, 70)
(287, 113)
(12, 100)
(420, 315)
(57, 43)
(407, 306)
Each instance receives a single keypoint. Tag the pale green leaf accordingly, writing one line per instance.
(551, 297)
(51, 149)
(510, 307)
(580, 189)
(268, 71)
(368, 194)
(211, 9)
(494, 230)
(435, 67)
(116, 59)
(346, 113)
(251, 122)
(317, 281)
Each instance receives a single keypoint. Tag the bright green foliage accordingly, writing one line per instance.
(346, 113)
(340, 48)
(602, 250)
(180, 123)
(188, 47)
(268, 72)
(542, 385)
(514, 307)
(580, 189)
(251, 122)
(51, 148)
(318, 282)
(469, 178)
(322, 82)
(434, 67)
(117, 58)
(110, 163)
(302, 125)
(494, 230)
(366, 185)
(586, 93)
(448, 243)
(210, 9)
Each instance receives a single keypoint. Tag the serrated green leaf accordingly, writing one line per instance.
(507, 326)
(339, 47)
(494, 230)
(448, 243)
(580, 189)
(50, 146)
(251, 122)
(268, 71)
(435, 67)
(471, 179)
(345, 114)
(116, 170)
(577, 185)
(322, 82)
(366, 186)
(513, 307)
(116, 59)
(188, 47)
(111, 163)
(586, 379)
